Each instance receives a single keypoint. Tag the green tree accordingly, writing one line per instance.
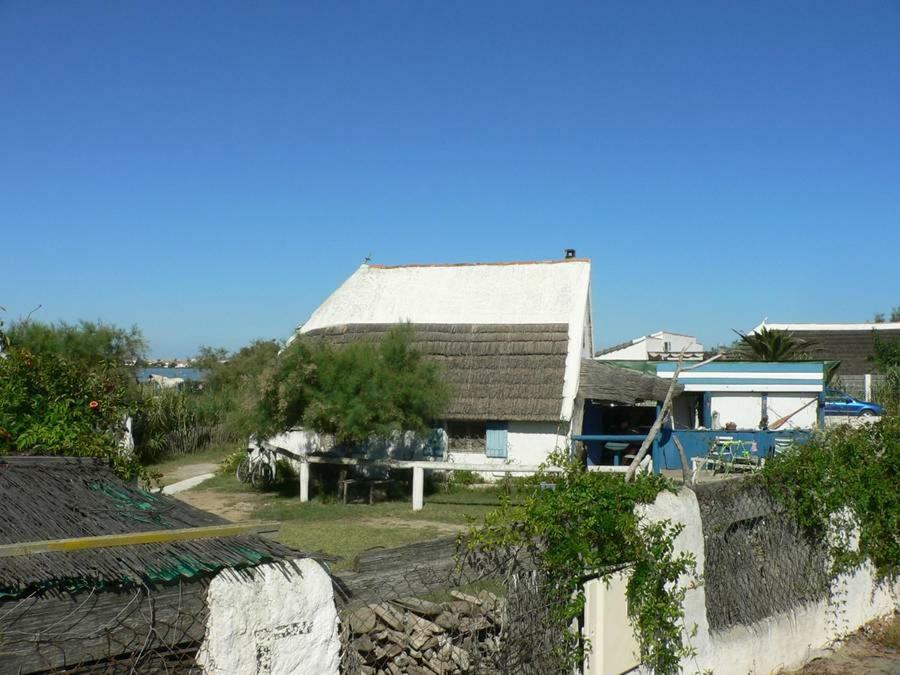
(772, 345)
(355, 392)
(85, 343)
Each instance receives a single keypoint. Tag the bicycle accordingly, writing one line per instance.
(258, 467)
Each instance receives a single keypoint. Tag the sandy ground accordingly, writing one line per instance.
(873, 650)
(230, 506)
(189, 471)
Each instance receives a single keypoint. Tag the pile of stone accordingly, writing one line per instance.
(416, 637)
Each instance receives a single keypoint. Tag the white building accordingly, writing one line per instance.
(510, 338)
(659, 346)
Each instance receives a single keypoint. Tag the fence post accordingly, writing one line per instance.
(304, 481)
(418, 488)
(867, 386)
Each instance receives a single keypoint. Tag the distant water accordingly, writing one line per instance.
(186, 373)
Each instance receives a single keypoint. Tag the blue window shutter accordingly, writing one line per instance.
(495, 443)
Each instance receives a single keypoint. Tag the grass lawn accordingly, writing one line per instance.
(347, 530)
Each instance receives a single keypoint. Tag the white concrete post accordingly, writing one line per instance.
(867, 386)
(304, 481)
(418, 488)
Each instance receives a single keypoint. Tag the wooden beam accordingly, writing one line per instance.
(269, 528)
(426, 464)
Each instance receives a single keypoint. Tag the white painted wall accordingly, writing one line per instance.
(528, 443)
(612, 646)
(636, 351)
(785, 404)
(783, 641)
(274, 619)
(745, 409)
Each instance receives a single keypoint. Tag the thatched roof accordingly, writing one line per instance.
(851, 344)
(603, 381)
(496, 371)
(61, 498)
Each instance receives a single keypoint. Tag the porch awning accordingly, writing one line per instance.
(605, 382)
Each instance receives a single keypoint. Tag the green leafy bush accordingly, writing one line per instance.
(841, 483)
(52, 406)
(587, 527)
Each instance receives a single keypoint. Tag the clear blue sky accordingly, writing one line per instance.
(212, 171)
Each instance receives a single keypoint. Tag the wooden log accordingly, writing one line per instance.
(686, 475)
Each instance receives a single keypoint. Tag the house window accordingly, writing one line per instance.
(495, 439)
(466, 436)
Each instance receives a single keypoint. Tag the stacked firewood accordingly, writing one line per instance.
(411, 636)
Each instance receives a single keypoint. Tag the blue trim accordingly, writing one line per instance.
(747, 367)
(747, 380)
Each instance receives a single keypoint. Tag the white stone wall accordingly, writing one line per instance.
(783, 641)
(529, 443)
(274, 620)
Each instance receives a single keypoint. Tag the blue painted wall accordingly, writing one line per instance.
(697, 443)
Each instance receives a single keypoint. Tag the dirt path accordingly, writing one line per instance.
(873, 650)
(234, 507)
(188, 471)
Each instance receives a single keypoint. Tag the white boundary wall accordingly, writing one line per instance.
(274, 619)
(783, 641)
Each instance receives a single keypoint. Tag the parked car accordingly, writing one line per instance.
(839, 403)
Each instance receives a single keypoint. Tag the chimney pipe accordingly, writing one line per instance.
(570, 253)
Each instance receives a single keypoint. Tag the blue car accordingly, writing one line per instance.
(839, 403)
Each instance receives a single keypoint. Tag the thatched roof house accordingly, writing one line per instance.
(511, 339)
(74, 591)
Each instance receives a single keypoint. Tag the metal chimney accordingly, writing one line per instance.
(570, 253)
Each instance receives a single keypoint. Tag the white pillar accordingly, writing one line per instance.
(867, 386)
(418, 488)
(304, 481)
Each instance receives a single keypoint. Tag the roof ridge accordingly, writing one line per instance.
(480, 264)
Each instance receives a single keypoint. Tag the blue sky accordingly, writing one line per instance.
(212, 171)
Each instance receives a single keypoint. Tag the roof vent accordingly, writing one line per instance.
(570, 253)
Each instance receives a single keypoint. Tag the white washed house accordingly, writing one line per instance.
(510, 338)
(662, 345)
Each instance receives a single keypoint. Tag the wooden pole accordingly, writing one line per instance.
(685, 470)
(657, 425)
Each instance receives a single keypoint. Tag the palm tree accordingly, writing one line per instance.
(772, 345)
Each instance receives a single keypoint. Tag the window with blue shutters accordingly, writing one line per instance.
(495, 439)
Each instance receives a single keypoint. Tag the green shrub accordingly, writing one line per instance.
(229, 465)
(841, 482)
(587, 526)
(50, 405)
(174, 422)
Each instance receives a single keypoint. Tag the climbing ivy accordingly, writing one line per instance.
(586, 526)
(841, 487)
